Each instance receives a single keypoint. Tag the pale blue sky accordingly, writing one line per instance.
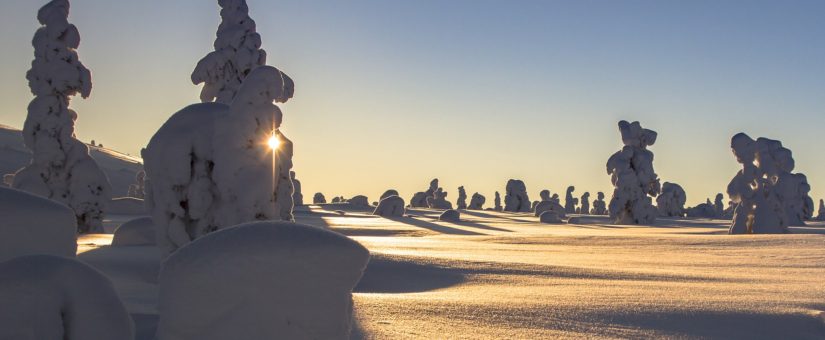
(392, 93)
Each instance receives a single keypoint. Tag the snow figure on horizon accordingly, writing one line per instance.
(633, 178)
(821, 214)
(439, 200)
(61, 168)
(769, 197)
(200, 162)
(477, 202)
(585, 208)
(497, 202)
(570, 202)
(138, 190)
(599, 205)
(548, 204)
(319, 198)
(516, 199)
(671, 202)
(297, 196)
(462, 198)
(419, 199)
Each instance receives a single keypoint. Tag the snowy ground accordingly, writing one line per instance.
(501, 275)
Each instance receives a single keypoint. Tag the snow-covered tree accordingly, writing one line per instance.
(319, 198)
(138, 189)
(570, 202)
(297, 196)
(461, 203)
(237, 52)
(61, 168)
(419, 199)
(585, 205)
(477, 202)
(671, 202)
(516, 199)
(633, 178)
(769, 197)
(599, 205)
(497, 202)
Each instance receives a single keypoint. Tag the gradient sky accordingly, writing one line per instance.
(392, 93)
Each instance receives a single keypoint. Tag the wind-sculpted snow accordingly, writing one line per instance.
(52, 297)
(515, 199)
(61, 168)
(200, 162)
(283, 280)
(633, 178)
(33, 225)
(671, 202)
(769, 197)
(477, 202)
(391, 206)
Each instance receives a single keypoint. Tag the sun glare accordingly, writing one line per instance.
(273, 142)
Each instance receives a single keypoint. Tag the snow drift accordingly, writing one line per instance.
(52, 297)
(291, 281)
(34, 225)
(136, 232)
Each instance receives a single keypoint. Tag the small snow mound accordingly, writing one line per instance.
(127, 206)
(450, 216)
(553, 206)
(549, 216)
(359, 201)
(34, 225)
(392, 206)
(51, 297)
(136, 232)
(291, 281)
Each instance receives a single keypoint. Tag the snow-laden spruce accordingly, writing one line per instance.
(319, 198)
(237, 52)
(289, 281)
(671, 202)
(390, 206)
(585, 205)
(138, 190)
(515, 199)
(570, 202)
(497, 202)
(599, 205)
(477, 202)
(200, 162)
(31, 225)
(53, 297)
(769, 197)
(633, 178)
(419, 199)
(61, 168)
(297, 196)
(439, 200)
(461, 203)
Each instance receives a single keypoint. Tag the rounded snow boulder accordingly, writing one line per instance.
(126, 206)
(31, 225)
(391, 206)
(388, 193)
(450, 216)
(52, 297)
(136, 232)
(549, 216)
(553, 206)
(261, 280)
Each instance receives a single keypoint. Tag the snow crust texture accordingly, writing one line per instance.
(633, 178)
(34, 225)
(768, 195)
(52, 297)
(61, 168)
(291, 281)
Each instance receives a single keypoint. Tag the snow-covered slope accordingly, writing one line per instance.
(120, 168)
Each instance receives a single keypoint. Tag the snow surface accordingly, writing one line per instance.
(281, 280)
(504, 275)
(127, 206)
(136, 232)
(32, 225)
(52, 297)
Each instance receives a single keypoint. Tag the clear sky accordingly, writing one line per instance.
(392, 93)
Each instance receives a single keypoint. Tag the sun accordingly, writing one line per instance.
(274, 142)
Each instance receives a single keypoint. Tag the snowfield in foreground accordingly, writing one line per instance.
(504, 275)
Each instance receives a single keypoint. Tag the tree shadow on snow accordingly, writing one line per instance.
(432, 226)
(390, 275)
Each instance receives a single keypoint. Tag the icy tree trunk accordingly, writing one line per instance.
(61, 168)
(633, 178)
